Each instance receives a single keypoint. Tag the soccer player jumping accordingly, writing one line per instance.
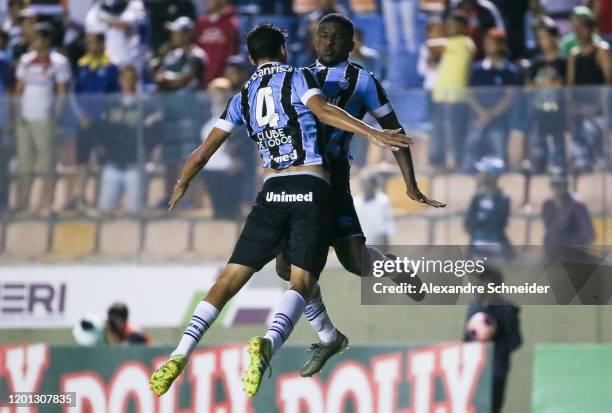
(291, 215)
(357, 91)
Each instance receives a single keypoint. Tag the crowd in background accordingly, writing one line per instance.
(122, 78)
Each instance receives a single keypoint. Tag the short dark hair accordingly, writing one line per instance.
(118, 310)
(460, 17)
(340, 19)
(265, 40)
(44, 30)
(547, 24)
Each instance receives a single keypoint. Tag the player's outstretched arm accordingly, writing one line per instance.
(338, 118)
(196, 161)
(404, 161)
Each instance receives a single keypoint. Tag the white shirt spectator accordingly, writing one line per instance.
(123, 46)
(426, 69)
(39, 77)
(376, 217)
(221, 160)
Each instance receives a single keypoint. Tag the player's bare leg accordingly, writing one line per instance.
(287, 314)
(233, 278)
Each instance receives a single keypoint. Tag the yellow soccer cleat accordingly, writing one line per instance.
(163, 377)
(260, 354)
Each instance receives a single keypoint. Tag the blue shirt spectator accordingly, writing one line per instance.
(95, 75)
(499, 74)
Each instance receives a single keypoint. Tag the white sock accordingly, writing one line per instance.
(317, 316)
(287, 314)
(201, 320)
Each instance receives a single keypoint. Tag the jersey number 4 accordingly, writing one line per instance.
(265, 110)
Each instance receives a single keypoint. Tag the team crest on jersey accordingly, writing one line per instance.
(343, 83)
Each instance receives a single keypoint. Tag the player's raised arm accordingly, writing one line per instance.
(231, 117)
(334, 116)
(403, 157)
(196, 161)
(378, 105)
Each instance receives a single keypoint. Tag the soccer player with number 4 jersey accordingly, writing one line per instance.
(279, 106)
(357, 91)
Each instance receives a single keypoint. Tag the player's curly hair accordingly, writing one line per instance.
(341, 20)
(265, 41)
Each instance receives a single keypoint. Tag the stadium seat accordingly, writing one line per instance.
(536, 231)
(372, 26)
(166, 238)
(449, 231)
(411, 231)
(591, 190)
(157, 191)
(396, 191)
(410, 105)
(401, 69)
(62, 192)
(26, 238)
(127, 245)
(603, 231)
(214, 239)
(73, 239)
(516, 231)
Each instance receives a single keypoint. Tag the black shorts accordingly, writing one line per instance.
(345, 220)
(291, 216)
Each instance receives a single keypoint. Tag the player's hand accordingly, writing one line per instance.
(421, 198)
(178, 192)
(393, 139)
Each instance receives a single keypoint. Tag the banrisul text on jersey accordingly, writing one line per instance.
(272, 106)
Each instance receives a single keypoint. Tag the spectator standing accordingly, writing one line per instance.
(588, 65)
(570, 40)
(507, 337)
(118, 133)
(162, 12)
(121, 21)
(482, 15)
(603, 12)
(42, 79)
(178, 74)
(217, 33)
(6, 85)
(400, 25)
(491, 100)
(20, 45)
(11, 25)
(374, 211)
(488, 213)
(450, 110)
(567, 221)
(95, 77)
(427, 65)
(546, 75)
(561, 11)
(514, 15)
